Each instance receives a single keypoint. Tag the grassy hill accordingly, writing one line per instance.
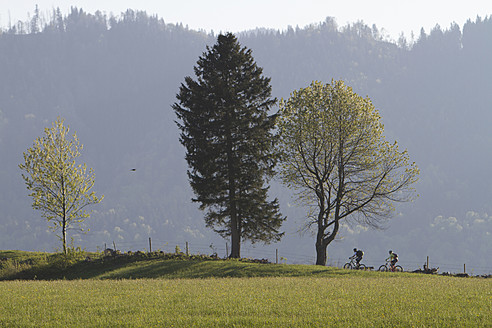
(173, 290)
(81, 265)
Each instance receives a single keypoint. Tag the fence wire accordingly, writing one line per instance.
(275, 255)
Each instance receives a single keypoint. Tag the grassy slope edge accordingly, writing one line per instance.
(118, 292)
(46, 266)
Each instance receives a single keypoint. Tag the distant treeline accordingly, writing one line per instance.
(114, 80)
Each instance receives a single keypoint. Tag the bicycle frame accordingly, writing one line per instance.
(391, 268)
(353, 264)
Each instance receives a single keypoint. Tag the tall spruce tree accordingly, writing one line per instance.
(228, 134)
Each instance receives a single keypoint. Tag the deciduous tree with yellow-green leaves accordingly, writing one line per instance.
(336, 158)
(61, 189)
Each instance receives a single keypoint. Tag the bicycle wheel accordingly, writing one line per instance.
(398, 268)
(362, 267)
(347, 266)
(383, 268)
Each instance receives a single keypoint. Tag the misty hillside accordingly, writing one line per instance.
(114, 81)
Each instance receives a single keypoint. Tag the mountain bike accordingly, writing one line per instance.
(353, 265)
(388, 267)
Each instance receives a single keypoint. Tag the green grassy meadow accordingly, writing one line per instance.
(181, 293)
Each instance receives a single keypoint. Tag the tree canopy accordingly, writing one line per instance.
(335, 156)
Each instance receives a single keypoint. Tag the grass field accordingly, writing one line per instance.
(236, 294)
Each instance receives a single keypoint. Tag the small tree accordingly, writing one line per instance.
(228, 135)
(336, 158)
(60, 188)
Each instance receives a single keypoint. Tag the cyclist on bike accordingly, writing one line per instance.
(358, 254)
(394, 258)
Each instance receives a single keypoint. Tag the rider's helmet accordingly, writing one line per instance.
(355, 249)
(390, 251)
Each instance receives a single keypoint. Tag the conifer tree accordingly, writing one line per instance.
(227, 132)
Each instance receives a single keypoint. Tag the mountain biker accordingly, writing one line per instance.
(393, 257)
(358, 254)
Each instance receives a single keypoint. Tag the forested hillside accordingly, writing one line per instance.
(114, 80)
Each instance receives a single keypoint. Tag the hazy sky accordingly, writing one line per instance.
(395, 16)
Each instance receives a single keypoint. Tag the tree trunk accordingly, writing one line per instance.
(64, 236)
(64, 218)
(323, 242)
(235, 244)
(235, 227)
(235, 233)
(321, 253)
(320, 240)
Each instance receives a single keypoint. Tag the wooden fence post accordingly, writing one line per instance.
(187, 250)
(227, 250)
(150, 245)
(276, 255)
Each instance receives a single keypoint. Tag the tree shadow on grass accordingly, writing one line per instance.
(131, 268)
(216, 269)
